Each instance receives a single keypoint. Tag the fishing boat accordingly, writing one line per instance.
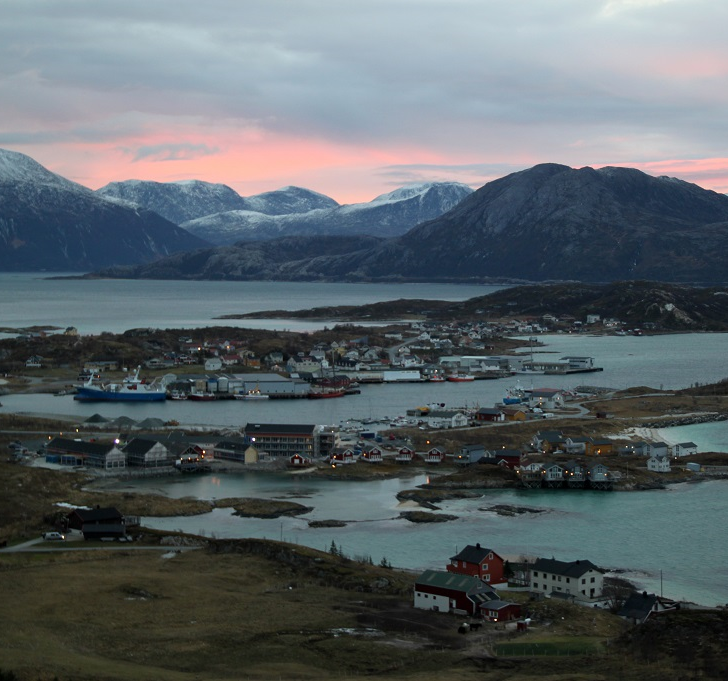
(460, 378)
(202, 397)
(131, 389)
(323, 393)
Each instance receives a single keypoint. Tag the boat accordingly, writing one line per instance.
(253, 394)
(325, 393)
(460, 378)
(437, 378)
(177, 395)
(131, 389)
(202, 397)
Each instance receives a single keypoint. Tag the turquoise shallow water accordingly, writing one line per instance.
(679, 534)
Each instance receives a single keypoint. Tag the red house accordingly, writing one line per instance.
(435, 455)
(297, 461)
(340, 455)
(477, 561)
(404, 455)
(372, 454)
(500, 611)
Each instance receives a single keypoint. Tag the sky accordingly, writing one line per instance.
(355, 98)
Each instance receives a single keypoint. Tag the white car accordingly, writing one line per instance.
(53, 536)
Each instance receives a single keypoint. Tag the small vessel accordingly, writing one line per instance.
(437, 378)
(460, 378)
(324, 393)
(131, 389)
(253, 394)
(202, 397)
(177, 395)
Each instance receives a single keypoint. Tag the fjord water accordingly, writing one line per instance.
(116, 305)
(675, 539)
(681, 531)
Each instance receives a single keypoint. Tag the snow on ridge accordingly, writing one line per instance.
(17, 167)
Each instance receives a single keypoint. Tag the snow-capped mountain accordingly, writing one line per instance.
(50, 223)
(187, 200)
(387, 215)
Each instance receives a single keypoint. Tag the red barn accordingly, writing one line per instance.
(442, 591)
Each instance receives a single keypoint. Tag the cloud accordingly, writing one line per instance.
(370, 91)
(171, 152)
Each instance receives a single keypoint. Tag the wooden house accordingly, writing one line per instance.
(404, 455)
(371, 454)
(489, 414)
(299, 461)
(500, 611)
(477, 561)
(435, 455)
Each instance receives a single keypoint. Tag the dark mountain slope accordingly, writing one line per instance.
(50, 223)
(554, 222)
(246, 260)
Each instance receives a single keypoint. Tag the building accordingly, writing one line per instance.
(445, 592)
(480, 562)
(470, 454)
(640, 606)
(659, 464)
(98, 523)
(580, 578)
(283, 440)
(500, 611)
(147, 453)
(684, 449)
(65, 451)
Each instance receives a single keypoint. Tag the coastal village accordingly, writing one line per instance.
(531, 438)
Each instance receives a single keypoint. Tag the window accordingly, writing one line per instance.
(559, 577)
(535, 574)
(535, 586)
(592, 580)
(487, 578)
(568, 580)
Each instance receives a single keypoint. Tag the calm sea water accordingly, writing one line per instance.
(95, 306)
(680, 532)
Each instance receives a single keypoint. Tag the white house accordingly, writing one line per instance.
(546, 398)
(580, 578)
(213, 364)
(659, 464)
(684, 449)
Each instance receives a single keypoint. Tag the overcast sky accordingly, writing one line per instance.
(354, 98)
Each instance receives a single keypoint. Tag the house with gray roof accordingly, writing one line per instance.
(579, 578)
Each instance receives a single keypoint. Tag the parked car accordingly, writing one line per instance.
(57, 536)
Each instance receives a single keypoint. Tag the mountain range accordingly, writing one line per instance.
(547, 223)
(218, 214)
(50, 223)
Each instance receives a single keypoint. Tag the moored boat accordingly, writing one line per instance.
(325, 393)
(131, 389)
(460, 378)
(202, 397)
(253, 394)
